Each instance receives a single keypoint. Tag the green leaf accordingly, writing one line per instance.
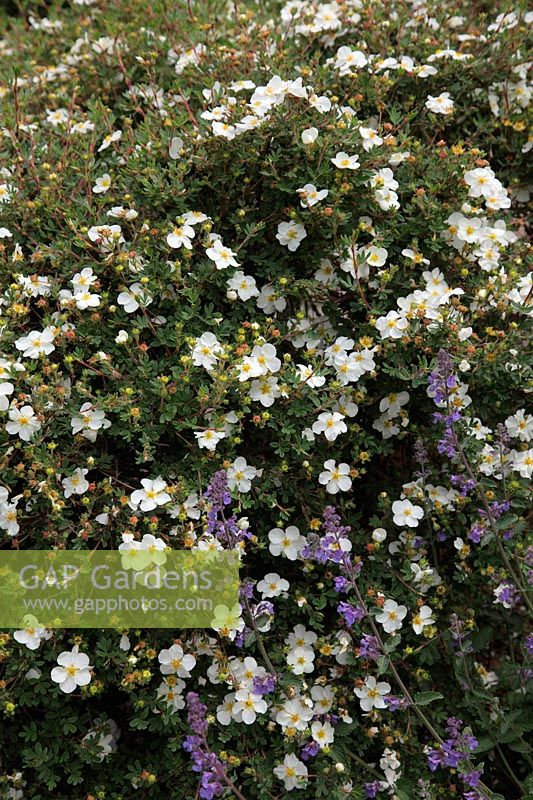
(425, 698)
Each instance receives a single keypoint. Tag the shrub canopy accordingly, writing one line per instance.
(265, 286)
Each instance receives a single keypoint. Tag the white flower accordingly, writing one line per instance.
(418, 258)
(32, 636)
(240, 475)
(405, 513)
(330, 424)
(383, 179)
(23, 422)
(224, 129)
(102, 184)
(249, 368)
(90, 421)
(375, 256)
(520, 425)
(335, 478)
(309, 376)
(76, 483)
(391, 616)
(107, 237)
(266, 357)
(442, 104)
(86, 300)
(291, 234)
(122, 337)
(272, 585)
(423, 617)
(288, 541)
(135, 297)
(36, 343)
(522, 462)
(107, 140)
(6, 388)
(119, 212)
(323, 698)
(265, 390)
(323, 733)
(392, 326)
(379, 535)
(386, 426)
(57, 117)
(206, 350)
(6, 192)
(248, 705)
(292, 772)
(294, 714)
(322, 103)
(222, 256)
(180, 236)
(301, 660)
(171, 692)
(209, 438)
(244, 285)
(370, 138)
(310, 195)
(480, 181)
(392, 403)
(269, 300)
(371, 694)
(174, 662)
(343, 161)
(152, 495)
(309, 135)
(300, 637)
(73, 670)
(174, 148)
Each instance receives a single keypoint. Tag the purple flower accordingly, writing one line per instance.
(465, 485)
(473, 778)
(264, 685)
(476, 533)
(309, 750)
(204, 761)
(394, 703)
(227, 530)
(369, 647)
(371, 789)
(340, 584)
(350, 613)
(442, 379)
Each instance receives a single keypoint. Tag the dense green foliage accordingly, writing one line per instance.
(246, 230)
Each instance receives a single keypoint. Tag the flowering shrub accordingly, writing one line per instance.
(264, 287)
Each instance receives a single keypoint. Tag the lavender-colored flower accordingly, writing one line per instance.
(310, 750)
(264, 685)
(350, 613)
(464, 485)
(476, 533)
(394, 703)
(341, 584)
(472, 778)
(442, 379)
(204, 761)
(447, 445)
(369, 647)
(371, 789)
(226, 530)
